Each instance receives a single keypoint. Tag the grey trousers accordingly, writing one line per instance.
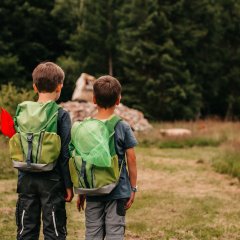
(103, 220)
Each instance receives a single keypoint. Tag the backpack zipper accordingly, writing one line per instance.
(23, 213)
(54, 222)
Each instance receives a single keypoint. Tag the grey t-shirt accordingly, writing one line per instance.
(124, 139)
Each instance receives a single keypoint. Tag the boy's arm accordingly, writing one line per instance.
(80, 202)
(64, 129)
(132, 169)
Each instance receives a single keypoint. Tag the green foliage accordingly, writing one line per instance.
(207, 35)
(175, 59)
(6, 170)
(71, 69)
(157, 80)
(228, 162)
(10, 69)
(94, 39)
(10, 97)
(28, 33)
(183, 142)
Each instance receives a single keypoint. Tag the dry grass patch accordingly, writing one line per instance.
(180, 195)
(204, 133)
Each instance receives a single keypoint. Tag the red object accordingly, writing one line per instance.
(6, 123)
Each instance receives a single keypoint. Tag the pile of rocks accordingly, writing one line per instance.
(82, 107)
(81, 110)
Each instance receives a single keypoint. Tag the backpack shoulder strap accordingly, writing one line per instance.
(112, 122)
(15, 118)
(53, 114)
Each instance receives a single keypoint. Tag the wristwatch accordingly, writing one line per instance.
(134, 189)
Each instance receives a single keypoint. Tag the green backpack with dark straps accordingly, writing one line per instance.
(36, 145)
(94, 165)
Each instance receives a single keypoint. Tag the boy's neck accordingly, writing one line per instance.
(45, 97)
(104, 113)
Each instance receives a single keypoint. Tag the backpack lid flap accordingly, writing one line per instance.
(34, 116)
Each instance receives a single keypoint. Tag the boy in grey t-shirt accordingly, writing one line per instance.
(105, 215)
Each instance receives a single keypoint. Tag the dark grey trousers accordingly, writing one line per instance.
(40, 196)
(105, 220)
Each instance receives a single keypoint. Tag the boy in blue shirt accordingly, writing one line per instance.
(105, 215)
(45, 193)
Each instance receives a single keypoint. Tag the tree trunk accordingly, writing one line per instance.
(110, 65)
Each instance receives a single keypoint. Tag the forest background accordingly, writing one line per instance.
(176, 59)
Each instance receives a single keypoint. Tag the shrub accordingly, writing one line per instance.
(6, 170)
(228, 162)
(11, 96)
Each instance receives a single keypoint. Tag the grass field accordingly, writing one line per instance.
(181, 196)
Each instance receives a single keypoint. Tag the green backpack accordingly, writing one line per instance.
(94, 164)
(36, 146)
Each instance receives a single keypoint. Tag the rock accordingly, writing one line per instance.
(84, 88)
(82, 107)
(81, 110)
(200, 161)
(175, 132)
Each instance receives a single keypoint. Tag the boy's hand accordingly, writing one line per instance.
(130, 201)
(69, 195)
(80, 202)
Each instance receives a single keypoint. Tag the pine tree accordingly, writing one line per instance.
(230, 57)
(94, 41)
(155, 74)
(28, 36)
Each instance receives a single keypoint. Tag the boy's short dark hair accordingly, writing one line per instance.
(47, 76)
(106, 90)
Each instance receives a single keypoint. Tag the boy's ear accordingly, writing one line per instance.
(118, 100)
(35, 88)
(59, 88)
(94, 99)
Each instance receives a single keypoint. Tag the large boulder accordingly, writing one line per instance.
(82, 106)
(176, 132)
(84, 88)
(81, 110)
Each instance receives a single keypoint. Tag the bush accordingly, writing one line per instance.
(228, 162)
(6, 170)
(11, 96)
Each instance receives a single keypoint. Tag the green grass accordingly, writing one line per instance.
(167, 205)
(183, 142)
(228, 162)
(6, 169)
(180, 195)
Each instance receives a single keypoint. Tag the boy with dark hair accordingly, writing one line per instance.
(105, 214)
(42, 138)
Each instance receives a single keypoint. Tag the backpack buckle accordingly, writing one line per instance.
(30, 137)
(30, 147)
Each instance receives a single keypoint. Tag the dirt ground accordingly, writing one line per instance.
(180, 197)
